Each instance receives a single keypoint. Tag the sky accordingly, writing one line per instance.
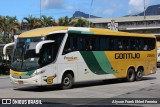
(61, 8)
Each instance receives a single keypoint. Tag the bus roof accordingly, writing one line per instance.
(41, 31)
(49, 30)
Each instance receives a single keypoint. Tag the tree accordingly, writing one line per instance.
(31, 22)
(80, 22)
(64, 21)
(9, 26)
(47, 21)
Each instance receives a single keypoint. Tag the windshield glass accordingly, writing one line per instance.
(24, 57)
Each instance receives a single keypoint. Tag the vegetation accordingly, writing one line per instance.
(4, 68)
(10, 25)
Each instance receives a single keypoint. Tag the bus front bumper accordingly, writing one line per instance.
(33, 81)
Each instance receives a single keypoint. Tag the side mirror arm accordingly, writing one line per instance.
(40, 44)
(6, 46)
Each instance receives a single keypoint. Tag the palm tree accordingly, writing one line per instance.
(31, 22)
(1, 21)
(47, 21)
(9, 26)
(64, 21)
(80, 22)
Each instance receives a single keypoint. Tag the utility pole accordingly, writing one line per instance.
(40, 9)
(144, 9)
(90, 14)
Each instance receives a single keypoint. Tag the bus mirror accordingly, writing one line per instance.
(40, 44)
(6, 46)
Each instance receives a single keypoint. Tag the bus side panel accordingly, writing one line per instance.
(50, 75)
(152, 55)
(121, 61)
(119, 64)
(84, 72)
(98, 64)
(64, 67)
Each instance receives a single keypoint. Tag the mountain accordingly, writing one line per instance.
(151, 10)
(82, 14)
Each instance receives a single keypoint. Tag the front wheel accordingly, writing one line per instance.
(130, 75)
(67, 81)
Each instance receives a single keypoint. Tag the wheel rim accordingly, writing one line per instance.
(66, 81)
(139, 74)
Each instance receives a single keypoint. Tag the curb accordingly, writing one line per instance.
(4, 77)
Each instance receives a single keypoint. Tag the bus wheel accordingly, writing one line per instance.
(139, 75)
(130, 75)
(67, 81)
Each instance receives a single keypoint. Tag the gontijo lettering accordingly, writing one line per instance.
(127, 55)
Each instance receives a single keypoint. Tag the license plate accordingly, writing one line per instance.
(20, 82)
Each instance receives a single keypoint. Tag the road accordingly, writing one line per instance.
(149, 87)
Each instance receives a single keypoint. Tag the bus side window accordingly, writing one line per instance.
(90, 43)
(126, 44)
(67, 47)
(81, 43)
(103, 44)
(120, 44)
(111, 42)
(137, 46)
(145, 44)
(46, 54)
(133, 45)
(71, 44)
(151, 44)
(97, 43)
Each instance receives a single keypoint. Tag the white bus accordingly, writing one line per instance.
(65, 55)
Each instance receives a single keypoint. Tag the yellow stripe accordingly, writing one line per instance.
(15, 73)
(118, 33)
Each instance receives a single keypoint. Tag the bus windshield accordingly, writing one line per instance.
(24, 56)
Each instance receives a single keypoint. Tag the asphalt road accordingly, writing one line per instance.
(149, 87)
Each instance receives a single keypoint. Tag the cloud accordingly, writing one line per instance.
(108, 12)
(53, 4)
(69, 7)
(137, 6)
(106, 7)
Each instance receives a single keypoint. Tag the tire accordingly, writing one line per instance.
(130, 75)
(67, 81)
(139, 75)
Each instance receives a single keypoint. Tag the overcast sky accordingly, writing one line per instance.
(60, 8)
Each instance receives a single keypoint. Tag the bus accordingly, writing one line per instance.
(67, 55)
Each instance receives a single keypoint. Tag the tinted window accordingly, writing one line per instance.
(79, 42)
(51, 50)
